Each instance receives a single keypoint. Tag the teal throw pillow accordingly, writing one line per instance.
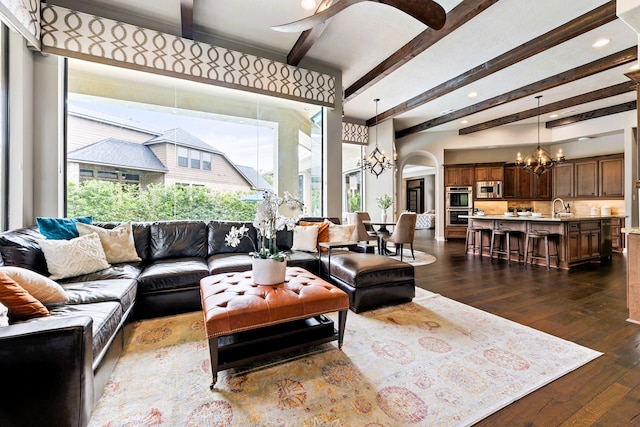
(61, 228)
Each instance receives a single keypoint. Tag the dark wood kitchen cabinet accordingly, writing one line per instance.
(522, 184)
(455, 176)
(590, 178)
(586, 175)
(489, 173)
(563, 180)
(611, 177)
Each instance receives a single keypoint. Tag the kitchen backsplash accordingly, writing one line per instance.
(578, 207)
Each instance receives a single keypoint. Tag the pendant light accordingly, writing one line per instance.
(376, 162)
(539, 161)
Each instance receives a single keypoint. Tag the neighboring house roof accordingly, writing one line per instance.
(115, 152)
(254, 177)
(182, 137)
(99, 116)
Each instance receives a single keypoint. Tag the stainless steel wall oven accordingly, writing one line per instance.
(459, 201)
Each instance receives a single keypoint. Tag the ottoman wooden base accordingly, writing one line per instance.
(246, 322)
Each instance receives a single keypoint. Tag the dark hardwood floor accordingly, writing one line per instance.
(586, 305)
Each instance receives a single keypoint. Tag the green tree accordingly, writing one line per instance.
(109, 201)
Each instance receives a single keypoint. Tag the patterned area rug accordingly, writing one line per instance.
(433, 361)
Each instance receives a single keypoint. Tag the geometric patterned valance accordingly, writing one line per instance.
(79, 35)
(24, 17)
(355, 134)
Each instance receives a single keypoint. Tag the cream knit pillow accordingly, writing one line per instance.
(117, 243)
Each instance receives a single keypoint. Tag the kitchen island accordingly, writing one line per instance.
(581, 239)
(633, 273)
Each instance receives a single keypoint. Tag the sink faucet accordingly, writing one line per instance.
(553, 205)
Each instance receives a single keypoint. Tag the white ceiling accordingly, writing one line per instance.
(363, 35)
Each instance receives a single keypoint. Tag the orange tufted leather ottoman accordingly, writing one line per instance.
(233, 306)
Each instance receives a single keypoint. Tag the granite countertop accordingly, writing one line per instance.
(630, 230)
(545, 218)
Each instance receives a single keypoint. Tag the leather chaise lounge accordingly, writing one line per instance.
(57, 366)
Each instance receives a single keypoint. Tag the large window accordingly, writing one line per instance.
(147, 147)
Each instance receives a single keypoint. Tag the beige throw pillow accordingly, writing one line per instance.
(341, 233)
(305, 238)
(40, 287)
(117, 243)
(69, 258)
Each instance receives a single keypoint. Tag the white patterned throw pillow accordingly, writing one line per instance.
(117, 243)
(69, 258)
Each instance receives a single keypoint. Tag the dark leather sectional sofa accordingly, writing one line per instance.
(56, 367)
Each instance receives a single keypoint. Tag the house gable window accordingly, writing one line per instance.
(183, 157)
(195, 159)
(206, 161)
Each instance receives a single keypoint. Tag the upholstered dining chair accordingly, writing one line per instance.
(403, 232)
(361, 233)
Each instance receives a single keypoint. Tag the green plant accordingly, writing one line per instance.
(384, 201)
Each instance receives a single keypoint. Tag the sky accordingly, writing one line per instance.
(237, 140)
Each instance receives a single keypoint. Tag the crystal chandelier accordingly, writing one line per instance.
(539, 161)
(376, 162)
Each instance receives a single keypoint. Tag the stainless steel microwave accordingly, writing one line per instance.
(488, 189)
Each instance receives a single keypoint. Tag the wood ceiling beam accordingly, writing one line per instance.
(308, 37)
(600, 112)
(595, 95)
(603, 64)
(186, 18)
(459, 15)
(582, 24)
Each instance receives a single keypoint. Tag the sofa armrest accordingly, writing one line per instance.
(47, 367)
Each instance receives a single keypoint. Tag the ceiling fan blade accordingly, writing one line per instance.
(316, 19)
(428, 12)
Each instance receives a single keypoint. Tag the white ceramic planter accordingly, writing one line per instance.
(268, 271)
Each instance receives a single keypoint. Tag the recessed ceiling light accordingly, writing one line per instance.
(634, 67)
(308, 4)
(473, 94)
(583, 138)
(601, 42)
(464, 122)
(553, 116)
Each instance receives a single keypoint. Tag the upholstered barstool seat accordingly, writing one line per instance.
(502, 236)
(535, 236)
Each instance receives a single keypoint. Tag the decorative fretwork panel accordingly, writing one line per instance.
(24, 16)
(354, 133)
(79, 35)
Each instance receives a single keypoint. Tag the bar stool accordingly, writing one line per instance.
(470, 242)
(533, 236)
(504, 235)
